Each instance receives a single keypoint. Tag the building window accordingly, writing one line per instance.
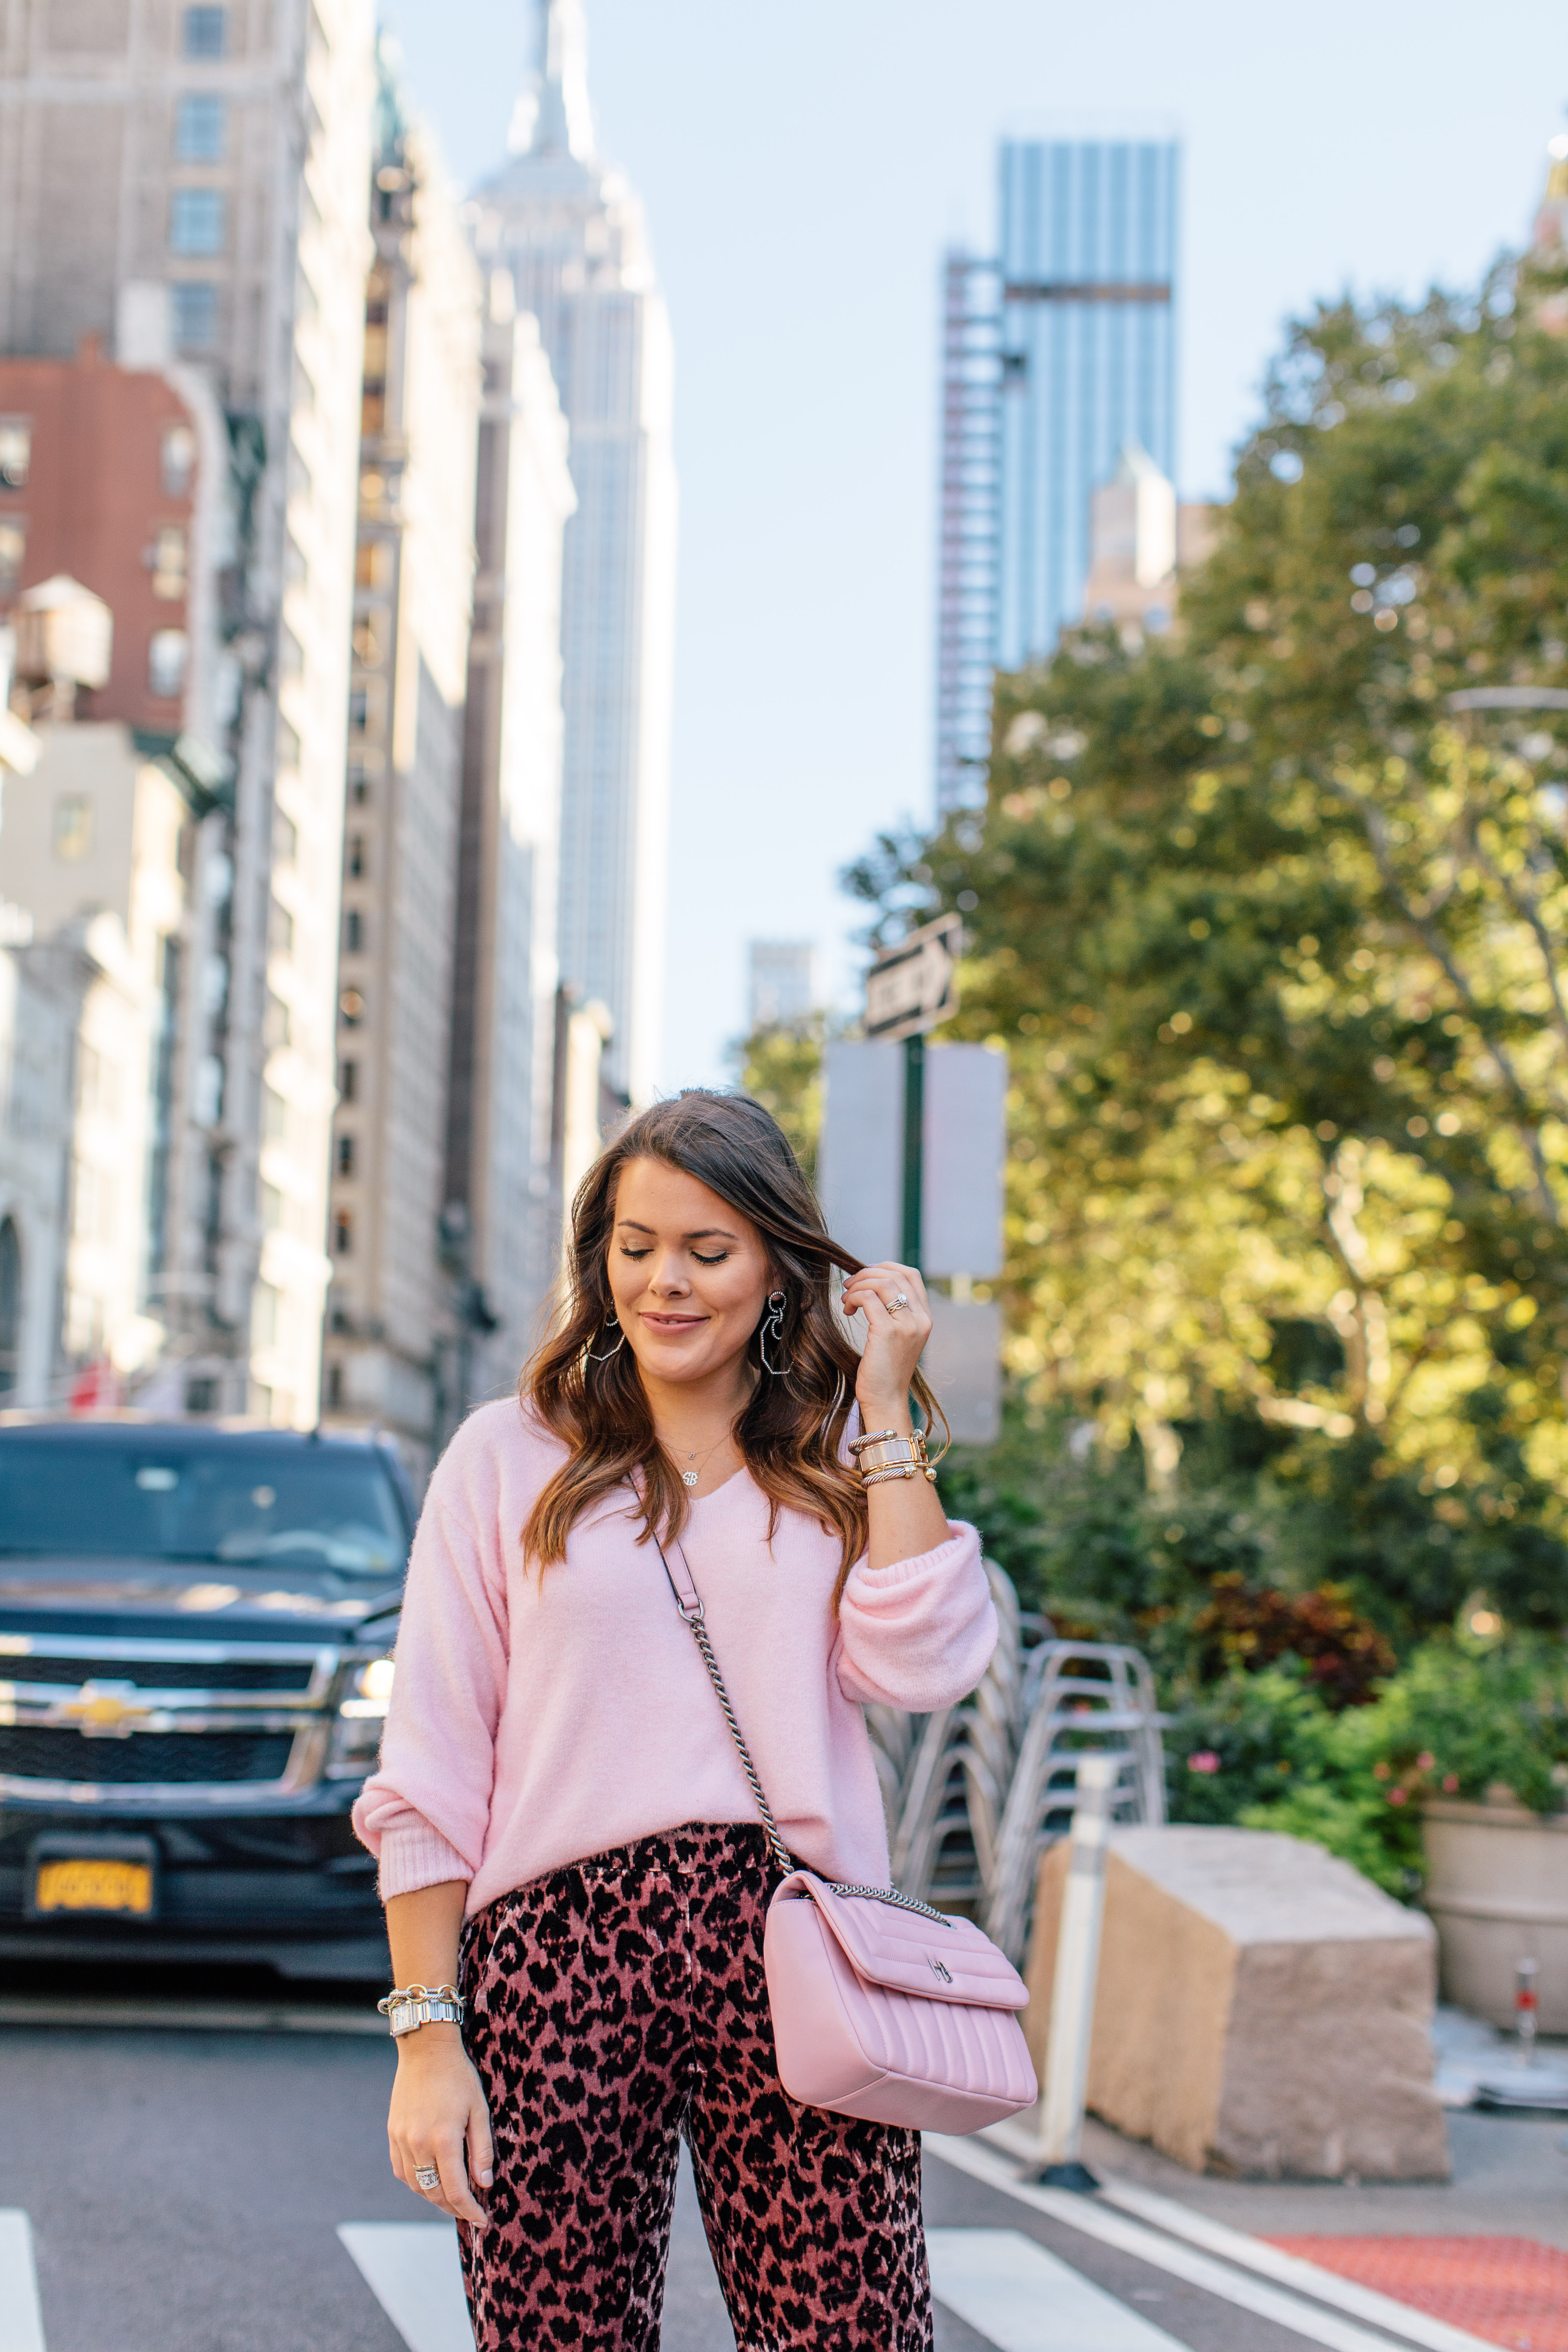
(372, 563)
(345, 1155)
(359, 785)
(279, 930)
(200, 1395)
(13, 553)
(278, 1029)
(198, 220)
(353, 932)
(169, 562)
(166, 657)
(350, 1004)
(205, 31)
(348, 1082)
(97, 1083)
(359, 710)
(343, 1234)
(264, 1316)
(270, 1202)
(285, 838)
(10, 1308)
(334, 1387)
(196, 315)
(201, 128)
(73, 826)
(356, 856)
(15, 452)
(274, 1116)
(177, 460)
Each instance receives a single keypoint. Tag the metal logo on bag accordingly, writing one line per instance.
(939, 1968)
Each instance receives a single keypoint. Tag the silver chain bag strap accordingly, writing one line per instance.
(882, 2008)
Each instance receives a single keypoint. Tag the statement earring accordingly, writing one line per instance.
(773, 1328)
(612, 1322)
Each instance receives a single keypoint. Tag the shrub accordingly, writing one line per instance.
(1345, 1656)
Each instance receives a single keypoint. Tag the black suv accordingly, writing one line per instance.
(196, 1629)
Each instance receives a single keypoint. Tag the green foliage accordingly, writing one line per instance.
(1269, 1546)
(1263, 1751)
(782, 1069)
(1274, 936)
(1462, 1718)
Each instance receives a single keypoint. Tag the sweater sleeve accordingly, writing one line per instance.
(424, 1811)
(918, 1634)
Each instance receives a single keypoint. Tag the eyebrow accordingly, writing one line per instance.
(702, 1234)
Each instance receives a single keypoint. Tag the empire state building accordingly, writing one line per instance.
(571, 231)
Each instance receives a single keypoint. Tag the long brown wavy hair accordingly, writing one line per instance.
(593, 1399)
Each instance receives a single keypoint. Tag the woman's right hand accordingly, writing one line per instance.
(438, 2115)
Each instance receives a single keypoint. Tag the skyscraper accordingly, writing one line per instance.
(782, 991)
(569, 228)
(412, 604)
(501, 1212)
(187, 185)
(1058, 354)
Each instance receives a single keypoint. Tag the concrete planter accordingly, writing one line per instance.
(1496, 1889)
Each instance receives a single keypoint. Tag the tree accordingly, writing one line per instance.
(1275, 933)
(782, 1068)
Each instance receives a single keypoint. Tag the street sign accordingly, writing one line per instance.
(914, 985)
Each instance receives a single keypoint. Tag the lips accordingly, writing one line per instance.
(674, 1322)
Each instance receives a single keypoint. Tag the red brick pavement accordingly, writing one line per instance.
(1508, 2291)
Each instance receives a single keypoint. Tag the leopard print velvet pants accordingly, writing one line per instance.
(615, 2007)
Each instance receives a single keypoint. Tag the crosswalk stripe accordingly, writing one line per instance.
(1365, 2303)
(1023, 2299)
(21, 2316)
(412, 2270)
(1184, 2262)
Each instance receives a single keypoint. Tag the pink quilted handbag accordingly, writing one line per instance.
(882, 2008)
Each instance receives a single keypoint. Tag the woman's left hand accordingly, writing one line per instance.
(893, 1299)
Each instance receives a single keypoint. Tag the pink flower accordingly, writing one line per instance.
(1396, 1796)
(1451, 1783)
(1205, 1760)
(1425, 1761)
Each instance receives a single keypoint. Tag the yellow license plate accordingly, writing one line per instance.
(94, 1885)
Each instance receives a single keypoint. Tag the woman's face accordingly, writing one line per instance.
(689, 1274)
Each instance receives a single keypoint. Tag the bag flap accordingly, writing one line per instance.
(946, 1959)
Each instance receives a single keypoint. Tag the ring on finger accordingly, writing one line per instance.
(428, 2177)
(895, 1305)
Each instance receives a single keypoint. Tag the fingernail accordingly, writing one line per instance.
(486, 2179)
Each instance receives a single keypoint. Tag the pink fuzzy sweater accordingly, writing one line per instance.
(536, 1720)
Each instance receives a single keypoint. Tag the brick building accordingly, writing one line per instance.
(98, 481)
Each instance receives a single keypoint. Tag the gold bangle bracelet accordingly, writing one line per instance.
(893, 1452)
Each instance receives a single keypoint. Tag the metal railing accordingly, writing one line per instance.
(974, 1794)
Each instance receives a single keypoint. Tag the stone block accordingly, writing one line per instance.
(1262, 2010)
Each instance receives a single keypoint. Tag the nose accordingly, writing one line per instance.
(670, 1277)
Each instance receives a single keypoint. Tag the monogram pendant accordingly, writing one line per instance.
(689, 1477)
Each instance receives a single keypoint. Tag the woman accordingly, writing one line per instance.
(562, 1824)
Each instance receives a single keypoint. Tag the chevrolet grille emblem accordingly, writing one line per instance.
(106, 1710)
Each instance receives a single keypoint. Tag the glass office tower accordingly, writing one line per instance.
(1057, 353)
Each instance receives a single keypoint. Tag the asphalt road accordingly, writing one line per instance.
(185, 2188)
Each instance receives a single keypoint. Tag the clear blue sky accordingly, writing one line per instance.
(802, 167)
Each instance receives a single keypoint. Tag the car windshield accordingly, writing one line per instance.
(146, 1496)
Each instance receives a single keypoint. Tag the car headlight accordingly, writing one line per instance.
(361, 1711)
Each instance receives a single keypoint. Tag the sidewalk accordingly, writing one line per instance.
(1511, 2179)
